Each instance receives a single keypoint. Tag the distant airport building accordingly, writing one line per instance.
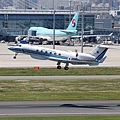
(17, 22)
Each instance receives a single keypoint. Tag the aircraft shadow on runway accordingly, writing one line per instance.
(63, 105)
(89, 106)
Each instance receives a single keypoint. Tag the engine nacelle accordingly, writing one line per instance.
(85, 57)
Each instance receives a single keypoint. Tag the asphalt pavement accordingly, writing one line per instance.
(60, 108)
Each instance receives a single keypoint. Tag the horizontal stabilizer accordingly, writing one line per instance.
(69, 31)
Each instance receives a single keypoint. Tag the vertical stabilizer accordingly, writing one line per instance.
(73, 23)
(98, 52)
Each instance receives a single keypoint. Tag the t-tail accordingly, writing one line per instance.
(99, 53)
(73, 23)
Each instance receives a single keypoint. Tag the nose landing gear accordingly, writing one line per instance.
(14, 57)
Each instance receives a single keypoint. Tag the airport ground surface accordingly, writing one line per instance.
(60, 108)
(6, 57)
(56, 108)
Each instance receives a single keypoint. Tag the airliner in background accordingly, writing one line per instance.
(96, 56)
(60, 35)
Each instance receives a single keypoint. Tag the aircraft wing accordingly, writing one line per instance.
(88, 36)
(58, 59)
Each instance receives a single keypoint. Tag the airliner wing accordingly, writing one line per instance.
(87, 36)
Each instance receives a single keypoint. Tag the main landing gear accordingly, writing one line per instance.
(66, 66)
(14, 57)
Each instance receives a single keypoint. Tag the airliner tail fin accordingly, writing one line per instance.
(73, 23)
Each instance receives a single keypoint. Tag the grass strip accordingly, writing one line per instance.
(64, 118)
(11, 90)
(56, 72)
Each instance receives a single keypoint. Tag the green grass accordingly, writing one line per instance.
(54, 71)
(64, 118)
(11, 90)
(59, 89)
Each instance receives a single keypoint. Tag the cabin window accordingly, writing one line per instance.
(55, 53)
(59, 54)
(20, 45)
(37, 50)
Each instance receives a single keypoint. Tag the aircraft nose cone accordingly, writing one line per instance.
(10, 48)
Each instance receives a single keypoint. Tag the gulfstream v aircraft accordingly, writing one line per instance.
(60, 35)
(95, 57)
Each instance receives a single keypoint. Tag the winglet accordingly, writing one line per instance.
(110, 34)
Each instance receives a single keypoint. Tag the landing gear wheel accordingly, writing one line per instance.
(66, 68)
(14, 57)
(58, 67)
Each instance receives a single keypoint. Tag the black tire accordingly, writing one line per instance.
(66, 68)
(58, 67)
(14, 57)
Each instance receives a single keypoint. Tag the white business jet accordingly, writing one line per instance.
(95, 57)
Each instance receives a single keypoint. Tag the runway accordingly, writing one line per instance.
(60, 108)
